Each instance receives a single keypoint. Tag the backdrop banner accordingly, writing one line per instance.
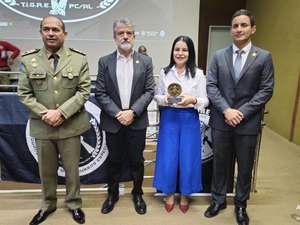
(18, 154)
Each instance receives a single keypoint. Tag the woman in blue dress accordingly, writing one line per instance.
(178, 158)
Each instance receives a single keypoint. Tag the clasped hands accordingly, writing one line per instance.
(52, 117)
(233, 116)
(125, 117)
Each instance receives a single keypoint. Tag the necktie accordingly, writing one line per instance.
(238, 63)
(55, 60)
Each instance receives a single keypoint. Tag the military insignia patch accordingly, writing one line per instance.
(33, 63)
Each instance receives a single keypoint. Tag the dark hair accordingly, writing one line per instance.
(62, 23)
(143, 50)
(246, 13)
(191, 63)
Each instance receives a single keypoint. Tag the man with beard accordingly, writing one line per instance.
(124, 89)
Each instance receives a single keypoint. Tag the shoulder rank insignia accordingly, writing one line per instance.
(30, 52)
(78, 51)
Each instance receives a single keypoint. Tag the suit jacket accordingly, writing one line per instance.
(108, 95)
(249, 93)
(67, 89)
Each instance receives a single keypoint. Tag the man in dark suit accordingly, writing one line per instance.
(124, 89)
(239, 86)
(55, 91)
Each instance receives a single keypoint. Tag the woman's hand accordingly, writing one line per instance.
(187, 100)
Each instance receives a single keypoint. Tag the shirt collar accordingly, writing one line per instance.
(173, 68)
(48, 53)
(119, 55)
(246, 49)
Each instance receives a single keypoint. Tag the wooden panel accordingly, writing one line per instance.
(214, 12)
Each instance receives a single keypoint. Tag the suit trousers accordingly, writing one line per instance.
(127, 145)
(228, 145)
(49, 152)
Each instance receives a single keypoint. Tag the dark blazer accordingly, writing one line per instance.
(108, 96)
(249, 93)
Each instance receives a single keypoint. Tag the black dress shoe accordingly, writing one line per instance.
(214, 209)
(139, 204)
(241, 216)
(40, 217)
(109, 203)
(78, 215)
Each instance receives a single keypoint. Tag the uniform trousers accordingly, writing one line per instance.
(48, 155)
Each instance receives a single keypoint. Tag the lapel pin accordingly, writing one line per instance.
(137, 61)
(254, 54)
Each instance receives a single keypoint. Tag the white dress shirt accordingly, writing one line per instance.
(190, 86)
(125, 77)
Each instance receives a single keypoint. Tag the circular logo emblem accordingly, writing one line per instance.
(174, 89)
(70, 11)
(93, 146)
(207, 151)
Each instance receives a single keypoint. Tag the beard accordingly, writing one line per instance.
(126, 46)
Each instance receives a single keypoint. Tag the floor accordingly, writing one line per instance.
(275, 202)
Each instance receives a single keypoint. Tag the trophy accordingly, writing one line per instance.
(174, 90)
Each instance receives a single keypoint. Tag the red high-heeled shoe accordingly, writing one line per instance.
(184, 208)
(169, 207)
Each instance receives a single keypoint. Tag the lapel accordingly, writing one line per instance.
(112, 69)
(228, 57)
(42, 60)
(112, 65)
(64, 60)
(136, 70)
(250, 59)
